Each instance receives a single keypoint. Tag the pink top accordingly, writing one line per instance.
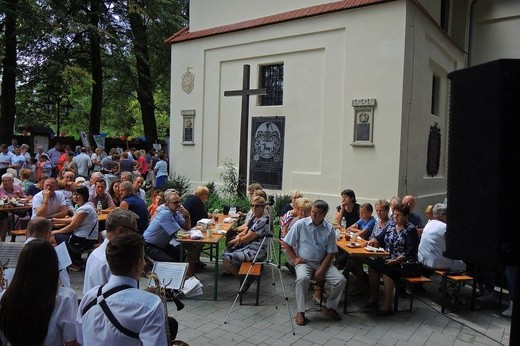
(15, 192)
(142, 163)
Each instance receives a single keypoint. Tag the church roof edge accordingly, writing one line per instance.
(185, 35)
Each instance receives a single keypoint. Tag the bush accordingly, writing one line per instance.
(230, 178)
(279, 202)
(180, 183)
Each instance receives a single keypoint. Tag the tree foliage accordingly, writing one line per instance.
(106, 58)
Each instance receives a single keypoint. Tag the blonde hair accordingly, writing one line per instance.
(254, 186)
(303, 204)
(258, 200)
(25, 173)
(296, 194)
(261, 193)
(201, 190)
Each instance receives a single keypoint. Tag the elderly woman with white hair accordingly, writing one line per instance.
(433, 242)
(9, 189)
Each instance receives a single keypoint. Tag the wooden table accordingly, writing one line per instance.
(101, 219)
(103, 216)
(12, 209)
(356, 252)
(214, 242)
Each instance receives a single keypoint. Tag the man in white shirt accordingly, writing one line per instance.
(40, 228)
(138, 315)
(49, 203)
(84, 163)
(97, 272)
(433, 242)
(311, 245)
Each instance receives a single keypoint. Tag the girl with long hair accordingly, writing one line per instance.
(34, 310)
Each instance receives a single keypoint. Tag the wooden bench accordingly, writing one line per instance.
(455, 281)
(252, 270)
(17, 232)
(413, 282)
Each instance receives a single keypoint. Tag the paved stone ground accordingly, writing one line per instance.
(201, 322)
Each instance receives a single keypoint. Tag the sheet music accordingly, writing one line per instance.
(166, 271)
(10, 252)
(64, 259)
(192, 287)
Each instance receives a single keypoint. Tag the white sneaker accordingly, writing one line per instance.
(487, 298)
(509, 311)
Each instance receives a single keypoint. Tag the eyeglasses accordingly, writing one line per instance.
(257, 205)
(174, 202)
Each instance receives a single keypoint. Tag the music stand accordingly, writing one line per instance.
(271, 254)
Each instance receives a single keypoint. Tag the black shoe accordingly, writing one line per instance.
(290, 267)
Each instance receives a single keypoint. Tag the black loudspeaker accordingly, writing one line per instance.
(484, 164)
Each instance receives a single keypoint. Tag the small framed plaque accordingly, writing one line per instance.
(188, 126)
(363, 122)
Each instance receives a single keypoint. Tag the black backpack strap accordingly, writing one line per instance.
(104, 306)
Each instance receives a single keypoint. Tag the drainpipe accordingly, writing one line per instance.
(469, 29)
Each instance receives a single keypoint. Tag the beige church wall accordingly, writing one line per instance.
(206, 14)
(374, 63)
(428, 51)
(496, 27)
(328, 63)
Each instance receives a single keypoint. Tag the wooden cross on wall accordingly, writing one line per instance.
(244, 125)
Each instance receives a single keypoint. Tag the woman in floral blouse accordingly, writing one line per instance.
(401, 241)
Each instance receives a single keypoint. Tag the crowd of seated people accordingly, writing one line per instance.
(70, 203)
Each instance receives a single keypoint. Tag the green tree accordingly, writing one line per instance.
(106, 58)
(8, 106)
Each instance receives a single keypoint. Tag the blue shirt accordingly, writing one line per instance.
(313, 242)
(163, 227)
(162, 168)
(366, 225)
(138, 206)
(415, 219)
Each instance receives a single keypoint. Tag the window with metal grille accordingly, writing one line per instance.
(271, 78)
(436, 88)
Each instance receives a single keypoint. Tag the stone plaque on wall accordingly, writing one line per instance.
(267, 148)
(188, 122)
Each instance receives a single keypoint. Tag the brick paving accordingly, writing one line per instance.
(201, 322)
